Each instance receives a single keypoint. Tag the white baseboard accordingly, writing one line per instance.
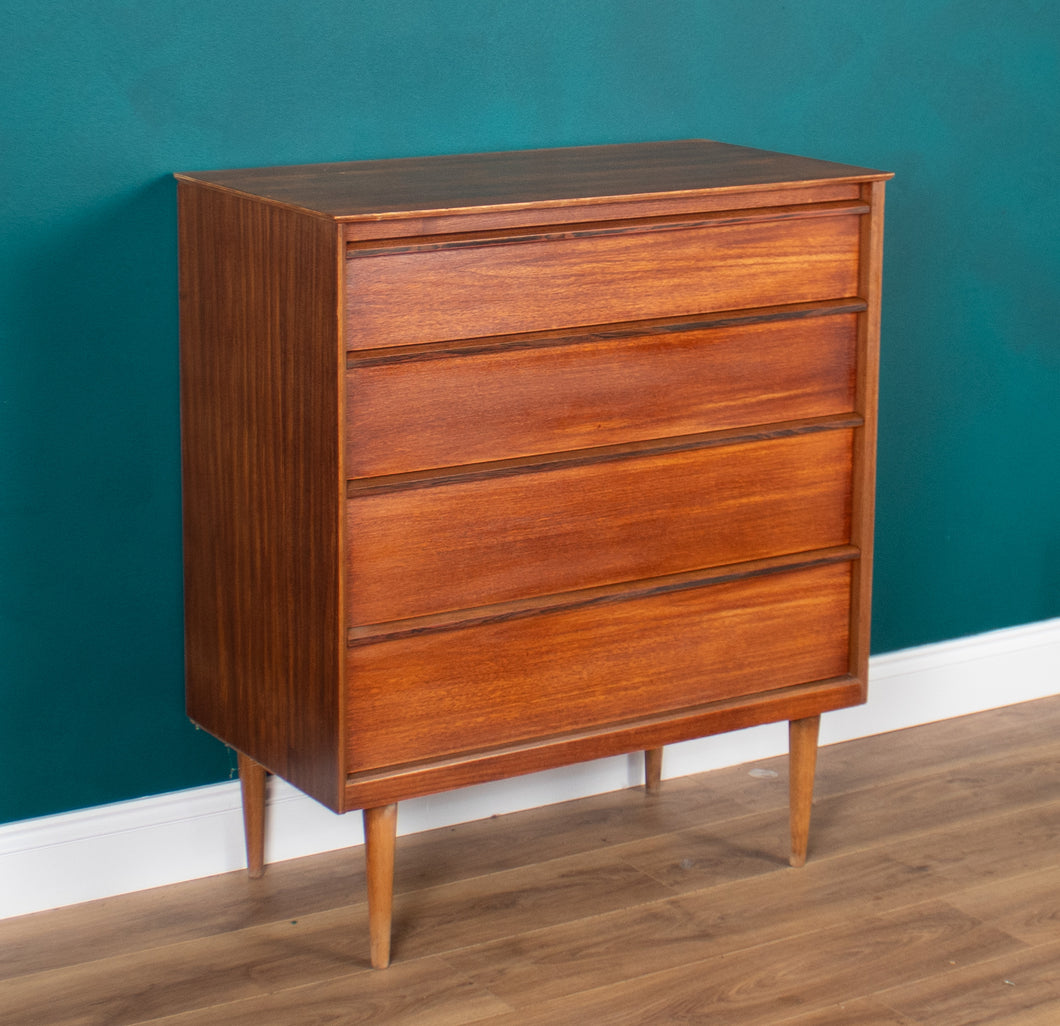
(114, 849)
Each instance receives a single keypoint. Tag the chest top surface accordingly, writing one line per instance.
(378, 189)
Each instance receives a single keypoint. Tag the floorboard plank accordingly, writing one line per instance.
(446, 918)
(1015, 986)
(758, 986)
(1046, 1014)
(169, 915)
(1007, 843)
(420, 993)
(930, 750)
(192, 974)
(860, 1012)
(709, 922)
(997, 783)
(934, 878)
(203, 908)
(1027, 906)
(518, 839)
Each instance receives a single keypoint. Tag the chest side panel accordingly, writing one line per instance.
(260, 408)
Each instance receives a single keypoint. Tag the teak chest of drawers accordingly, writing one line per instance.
(497, 463)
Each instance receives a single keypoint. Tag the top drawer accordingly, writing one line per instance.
(469, 287)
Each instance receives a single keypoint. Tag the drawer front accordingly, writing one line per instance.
(562, 393)
(433, 695)
(480, 539)
(439, 291)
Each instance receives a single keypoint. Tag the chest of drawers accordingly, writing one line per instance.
(497, 463)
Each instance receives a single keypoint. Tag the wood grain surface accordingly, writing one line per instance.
(624, 908)
(424, 695)
(461, 541)
(261, 581)
(472, 290)
(438, 406)
(372, 190)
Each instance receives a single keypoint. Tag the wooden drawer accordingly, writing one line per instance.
(452, 543)
(431, 695)
(421, 409)
(431, 290)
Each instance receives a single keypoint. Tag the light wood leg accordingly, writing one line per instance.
(653, 770)
(252, 785)
(802, 758)
(380, 831)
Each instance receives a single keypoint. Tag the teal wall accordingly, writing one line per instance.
(100, 101)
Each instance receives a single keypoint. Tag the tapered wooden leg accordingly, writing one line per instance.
(252, 785)
(653, 770)
(802, 757)
(380, 830)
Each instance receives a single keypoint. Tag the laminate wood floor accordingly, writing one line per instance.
(932, 898)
